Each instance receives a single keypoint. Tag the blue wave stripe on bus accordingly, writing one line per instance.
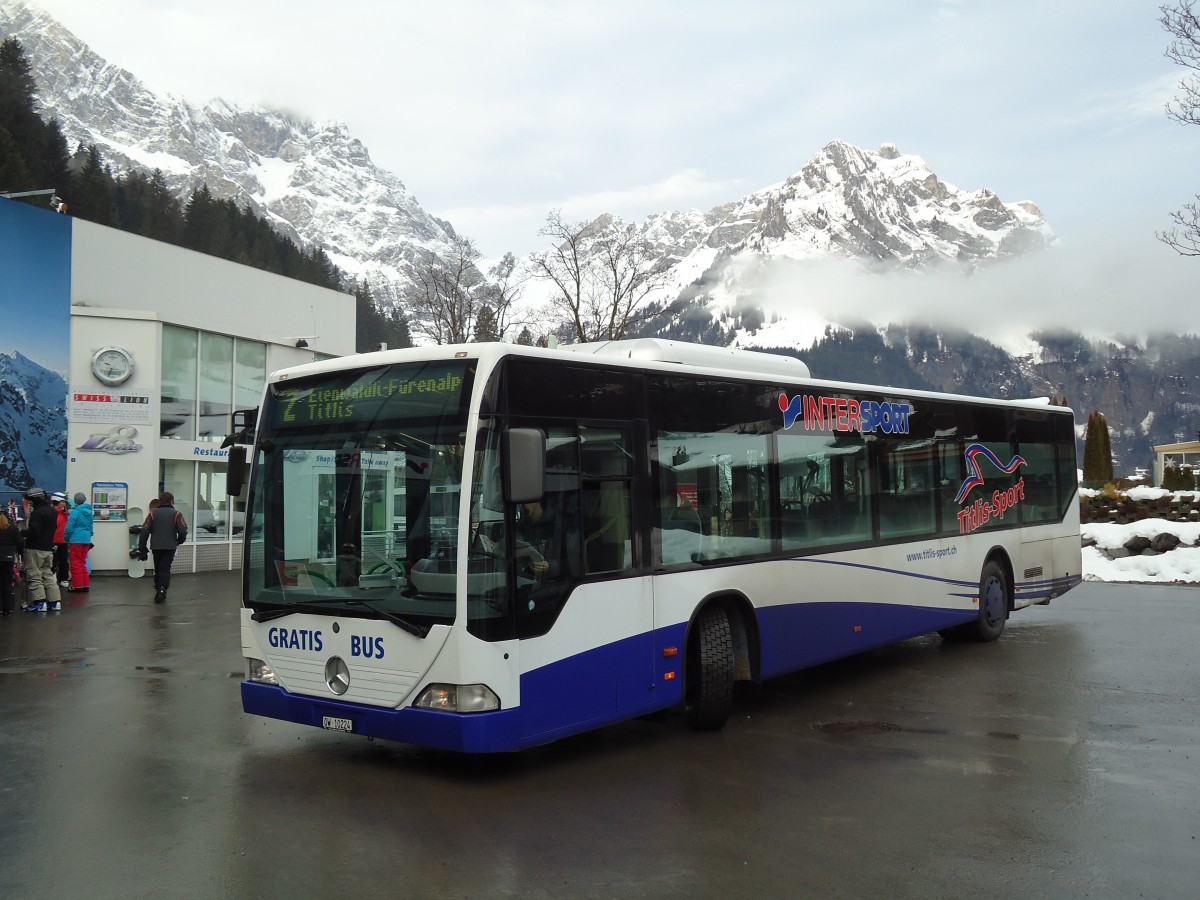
(1033, 588)
(838, 562)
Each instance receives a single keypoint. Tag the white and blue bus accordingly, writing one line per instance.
(488, 547)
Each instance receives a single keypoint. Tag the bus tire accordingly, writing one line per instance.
(708, 693)
(993, 604)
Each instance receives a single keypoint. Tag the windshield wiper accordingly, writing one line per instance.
(267, 615)
(418, 630)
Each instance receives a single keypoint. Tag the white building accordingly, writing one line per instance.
(165, 344)
(1185, 455)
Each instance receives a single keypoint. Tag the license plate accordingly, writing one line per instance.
(333, 724)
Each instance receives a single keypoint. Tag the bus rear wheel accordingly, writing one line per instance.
(708, 697)
(993, 604)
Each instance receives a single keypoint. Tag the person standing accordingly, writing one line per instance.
(62, 556)
(79, 539)
(39, 553)
(165, 530)
(12, 547)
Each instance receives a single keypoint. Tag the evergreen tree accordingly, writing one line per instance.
(202, 222)
(164, 213)
(133, 200)
(14, 174)
(397, 325)
(373, 327)
(33, 154)
(18, 99)
(94, 196)
(485, 325)
(1097, 452)
(54, 160)
(368, 332)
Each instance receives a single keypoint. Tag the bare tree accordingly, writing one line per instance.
(454, 303)
(506, 283)
(602, 271)
(1182, 24)
(447, 294)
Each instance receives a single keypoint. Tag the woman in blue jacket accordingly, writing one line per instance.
(79, 542)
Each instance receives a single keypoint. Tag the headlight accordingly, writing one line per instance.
(459, 698)
(257, 670)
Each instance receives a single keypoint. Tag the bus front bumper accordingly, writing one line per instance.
(487, 732)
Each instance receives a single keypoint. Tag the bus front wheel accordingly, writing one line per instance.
(708, 697)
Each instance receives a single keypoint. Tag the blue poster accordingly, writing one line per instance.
(35, 344)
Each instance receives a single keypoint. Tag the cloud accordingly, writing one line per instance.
(1102, 289)
(499, 228)
(679, 190)
(1126, 108)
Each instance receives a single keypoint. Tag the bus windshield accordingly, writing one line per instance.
(356, 483)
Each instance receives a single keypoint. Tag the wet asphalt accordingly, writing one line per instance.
(1061, 761)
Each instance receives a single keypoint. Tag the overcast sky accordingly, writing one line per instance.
(494, 112)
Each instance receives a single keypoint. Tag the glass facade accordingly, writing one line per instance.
(206, 377)
(178, 476)
(177, 409)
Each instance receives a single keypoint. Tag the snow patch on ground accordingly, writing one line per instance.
(1179, 566)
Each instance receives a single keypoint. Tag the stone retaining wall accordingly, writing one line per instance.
(1122, 511)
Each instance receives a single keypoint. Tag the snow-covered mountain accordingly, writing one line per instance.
(727, 268)
(882, 209)
(316, 183)
(882, 206)
(313, 180)
(33, 425)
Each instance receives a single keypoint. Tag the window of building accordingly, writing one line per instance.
(215, 387)
(177, 416)
(205, 377)
(179, 476)
(249, 373)
(212, 520)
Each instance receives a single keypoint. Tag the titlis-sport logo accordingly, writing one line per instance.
(982, 510)
(118, 440)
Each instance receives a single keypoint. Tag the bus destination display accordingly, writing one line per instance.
(393, 392)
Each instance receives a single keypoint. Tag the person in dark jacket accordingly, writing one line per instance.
(163, 531)
(12, 547)
(39, 553)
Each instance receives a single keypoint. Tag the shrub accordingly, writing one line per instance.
(1097, 452)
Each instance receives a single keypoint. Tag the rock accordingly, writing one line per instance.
(1088, 542)
(1135, 545)
(1165, 542)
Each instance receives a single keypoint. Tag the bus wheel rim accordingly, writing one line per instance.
(993, 601)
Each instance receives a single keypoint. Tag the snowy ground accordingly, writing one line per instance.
(1179, 566)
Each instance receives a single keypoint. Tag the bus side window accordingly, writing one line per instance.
(678, 533)
(822, 490)
(607, 485)
(907, 491)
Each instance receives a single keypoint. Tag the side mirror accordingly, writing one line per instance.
(523, 453)
(235, 474)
